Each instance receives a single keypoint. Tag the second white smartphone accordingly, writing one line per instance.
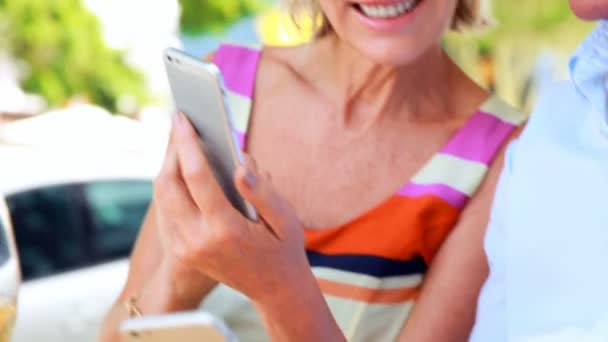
(198, 91)
(194, 326)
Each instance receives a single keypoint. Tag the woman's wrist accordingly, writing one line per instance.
(173, 288)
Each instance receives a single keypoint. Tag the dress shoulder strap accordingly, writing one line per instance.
(238, 65)
(481, 138)
(458, 169)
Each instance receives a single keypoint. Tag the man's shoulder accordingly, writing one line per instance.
(558, 109)
(558, 98)
(550, 132)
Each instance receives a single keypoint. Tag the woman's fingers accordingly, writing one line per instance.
(258, 190)
(170, 192)
(170, 163)
(197, 173)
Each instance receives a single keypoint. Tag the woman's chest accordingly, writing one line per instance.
(330, 175)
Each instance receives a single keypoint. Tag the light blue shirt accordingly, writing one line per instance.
(547, 242)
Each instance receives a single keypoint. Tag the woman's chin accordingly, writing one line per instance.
(391, 53)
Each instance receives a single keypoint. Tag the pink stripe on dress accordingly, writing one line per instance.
(447, 193)
(239, 66)
(480, 138)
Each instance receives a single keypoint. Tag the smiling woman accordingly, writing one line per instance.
(373, 160)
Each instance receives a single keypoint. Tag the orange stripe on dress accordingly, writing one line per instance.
(368, 295)
(401, 228)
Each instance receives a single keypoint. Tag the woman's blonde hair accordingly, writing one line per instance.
(469, 14)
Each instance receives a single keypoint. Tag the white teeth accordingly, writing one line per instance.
(388, 11)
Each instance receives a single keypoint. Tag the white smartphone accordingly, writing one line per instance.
(192, 326)
(199, 92)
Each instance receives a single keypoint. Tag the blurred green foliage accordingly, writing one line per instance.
(61, 45)
(203, 16)
(506, 54)
(549, 21)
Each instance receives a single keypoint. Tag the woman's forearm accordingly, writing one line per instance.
(299, 313)
(170, 291)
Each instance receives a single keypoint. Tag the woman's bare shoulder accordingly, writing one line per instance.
(285, 55)
(284, 63)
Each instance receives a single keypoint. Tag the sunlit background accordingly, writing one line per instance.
(106, 52)
(84, 117)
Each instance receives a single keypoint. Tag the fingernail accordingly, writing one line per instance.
(250, 178)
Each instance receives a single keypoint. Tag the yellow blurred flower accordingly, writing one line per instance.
(276, 27)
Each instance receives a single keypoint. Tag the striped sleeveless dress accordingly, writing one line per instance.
(371, 269)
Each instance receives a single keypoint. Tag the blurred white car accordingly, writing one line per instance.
(76, 202)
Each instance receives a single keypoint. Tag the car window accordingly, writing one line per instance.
(4, 253)
(117, 209)
(49, 230)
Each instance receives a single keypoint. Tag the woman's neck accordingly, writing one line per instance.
(429, 88)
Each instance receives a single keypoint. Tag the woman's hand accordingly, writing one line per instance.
(200, 229)
(202, 232)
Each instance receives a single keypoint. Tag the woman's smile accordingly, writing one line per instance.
(386, 15)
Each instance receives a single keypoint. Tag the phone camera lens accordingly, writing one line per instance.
(170, 59)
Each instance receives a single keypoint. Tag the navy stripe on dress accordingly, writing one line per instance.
(374, 266)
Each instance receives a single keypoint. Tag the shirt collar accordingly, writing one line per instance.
(589, 69)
